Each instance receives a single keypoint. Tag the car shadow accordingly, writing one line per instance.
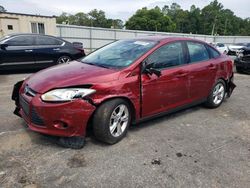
(158, 120)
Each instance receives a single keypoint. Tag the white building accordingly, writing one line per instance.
(26, 23)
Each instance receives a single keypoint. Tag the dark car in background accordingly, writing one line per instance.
(24, 51)
(232, 49)
(242, 61)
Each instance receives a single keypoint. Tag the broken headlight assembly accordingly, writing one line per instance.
(67, 94)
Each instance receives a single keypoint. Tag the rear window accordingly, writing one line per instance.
(220, 45)
(197, 52)
(213, 53)
(44, 40)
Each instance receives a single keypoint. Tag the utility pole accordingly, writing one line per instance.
(225, 29)
(214, 25)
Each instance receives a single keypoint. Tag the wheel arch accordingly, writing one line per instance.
(131, 105)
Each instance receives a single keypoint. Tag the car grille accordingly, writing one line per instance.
(245, 58)
(35, 118)
(24, 105)
(30, 112)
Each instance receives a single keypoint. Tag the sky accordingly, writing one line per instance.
(116, 9)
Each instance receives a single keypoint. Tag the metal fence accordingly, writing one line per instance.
(94, 37)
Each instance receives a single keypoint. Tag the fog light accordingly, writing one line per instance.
(60, 125)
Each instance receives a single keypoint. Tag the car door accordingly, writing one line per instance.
(47, 49)
(18, 50)
(169, 90)
(202, 70)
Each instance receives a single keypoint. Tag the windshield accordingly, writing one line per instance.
(3, 38)
(119, 54)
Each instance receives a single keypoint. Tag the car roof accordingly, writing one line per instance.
(34, 34)
(162, 38)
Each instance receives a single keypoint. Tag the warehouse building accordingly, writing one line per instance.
(26, 23)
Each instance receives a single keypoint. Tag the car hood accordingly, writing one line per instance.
(232, 47)
(71, 74)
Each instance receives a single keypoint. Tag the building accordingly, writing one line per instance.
(26, 23)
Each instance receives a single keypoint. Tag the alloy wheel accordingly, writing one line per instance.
(63, 59)
(218, 93)
(119, 120)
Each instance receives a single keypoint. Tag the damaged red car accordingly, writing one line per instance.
(120, 84)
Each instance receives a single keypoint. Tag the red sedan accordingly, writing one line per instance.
(125, 82)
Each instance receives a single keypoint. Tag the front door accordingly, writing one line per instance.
(18, 52)
(169, 90)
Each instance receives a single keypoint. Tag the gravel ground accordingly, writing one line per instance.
(197, 147)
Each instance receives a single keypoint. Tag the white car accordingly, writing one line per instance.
(221, 47)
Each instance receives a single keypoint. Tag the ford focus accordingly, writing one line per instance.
(123, 83)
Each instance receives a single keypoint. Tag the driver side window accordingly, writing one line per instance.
(169, 55)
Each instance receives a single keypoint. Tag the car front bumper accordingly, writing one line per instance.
(58, 119)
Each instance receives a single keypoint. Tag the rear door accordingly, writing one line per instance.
(171, 88)
(19, 51)
(47, 50)
(203, 70)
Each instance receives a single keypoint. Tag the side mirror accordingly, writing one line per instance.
(3, 46)
(149, 69)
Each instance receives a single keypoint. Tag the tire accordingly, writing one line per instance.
(72, 142)
(64, 59)
(216, 96)
(111, 121)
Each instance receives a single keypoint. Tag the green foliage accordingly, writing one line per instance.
(2, 9)
(95, 18)
(212, 19)
(150, 20)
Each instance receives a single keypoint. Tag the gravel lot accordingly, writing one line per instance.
(196, 147)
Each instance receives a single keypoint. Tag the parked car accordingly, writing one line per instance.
(23, 51)
(242, 61)
(221, 47)
(125, 82)
(235, 47)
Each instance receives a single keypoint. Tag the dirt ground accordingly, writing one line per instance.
(197, 147)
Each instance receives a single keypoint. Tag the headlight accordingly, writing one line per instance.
(68, 94)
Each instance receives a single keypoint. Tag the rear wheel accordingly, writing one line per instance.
(111, 121)
(217, 94)
(63, 59)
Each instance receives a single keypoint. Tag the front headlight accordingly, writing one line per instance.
(67, 94)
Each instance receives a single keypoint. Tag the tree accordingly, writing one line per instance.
(150, 20)
(2, 9)
(95, 18)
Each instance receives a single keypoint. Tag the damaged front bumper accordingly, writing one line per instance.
(65, 119)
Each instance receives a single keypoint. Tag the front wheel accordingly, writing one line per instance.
(217, 95)
(111, 121)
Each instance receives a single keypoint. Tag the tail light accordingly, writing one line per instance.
(81, 50)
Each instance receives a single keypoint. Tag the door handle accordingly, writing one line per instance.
(56, 49)
(28, 50)
(183, 74)
(211, 67)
